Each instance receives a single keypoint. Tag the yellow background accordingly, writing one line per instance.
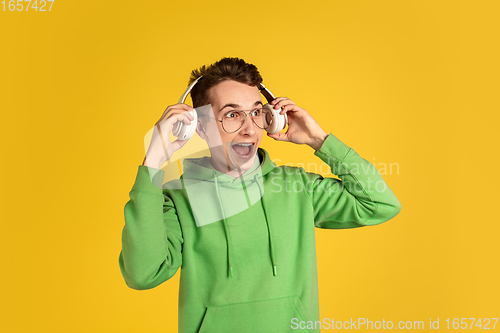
(408, 82)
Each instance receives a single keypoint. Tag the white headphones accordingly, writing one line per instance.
(185, 132)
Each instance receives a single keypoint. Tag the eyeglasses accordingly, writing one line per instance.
(232, 121)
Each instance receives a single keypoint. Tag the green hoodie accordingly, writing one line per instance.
(246, 245)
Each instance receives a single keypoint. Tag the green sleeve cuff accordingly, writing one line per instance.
(332, 148)
(149, 180)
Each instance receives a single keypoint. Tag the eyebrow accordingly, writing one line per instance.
(236, 106)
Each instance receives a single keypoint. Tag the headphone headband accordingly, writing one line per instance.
(278, 123)
(188, 90)
(263, 90)
(267, 94)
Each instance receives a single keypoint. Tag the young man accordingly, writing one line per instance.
(241, 228)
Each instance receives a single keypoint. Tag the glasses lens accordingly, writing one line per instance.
(233, 120)
(262, 117)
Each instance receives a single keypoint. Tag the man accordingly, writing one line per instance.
(242, 228)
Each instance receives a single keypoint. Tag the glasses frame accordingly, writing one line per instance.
(244, 121)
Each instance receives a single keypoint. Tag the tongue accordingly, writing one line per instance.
(242, 150)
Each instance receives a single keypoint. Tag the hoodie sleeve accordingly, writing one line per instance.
(360, 198)
(151, 238)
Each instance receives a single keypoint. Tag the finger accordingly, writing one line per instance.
(187, 118)
(288, 108)
(164, 129)
(176, 108)
(184, 117)
(182, 106)
(278, 99)
(167, 125)
(176, 112)
(280, 102)
(173, 112)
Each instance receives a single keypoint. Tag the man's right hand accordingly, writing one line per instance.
(161, 149)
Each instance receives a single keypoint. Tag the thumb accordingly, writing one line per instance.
(277, 136)
(177, 144)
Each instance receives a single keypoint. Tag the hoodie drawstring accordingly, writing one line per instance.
(273, 258)
(229, 266)
(226, 229)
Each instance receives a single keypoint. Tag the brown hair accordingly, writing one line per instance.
(225, 69)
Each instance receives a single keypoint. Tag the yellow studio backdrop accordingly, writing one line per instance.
(412, 86)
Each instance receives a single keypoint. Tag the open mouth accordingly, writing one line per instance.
(244, 150)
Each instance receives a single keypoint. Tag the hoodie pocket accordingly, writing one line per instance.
(273, 315)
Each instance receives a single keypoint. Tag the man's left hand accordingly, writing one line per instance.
(302, 128)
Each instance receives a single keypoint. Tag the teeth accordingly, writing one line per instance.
(243, 144)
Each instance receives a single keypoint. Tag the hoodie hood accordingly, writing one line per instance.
(215, 196)
(202, 169)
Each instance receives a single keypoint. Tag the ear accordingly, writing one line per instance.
(201, 131)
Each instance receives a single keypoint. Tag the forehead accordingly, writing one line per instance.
(232, 92)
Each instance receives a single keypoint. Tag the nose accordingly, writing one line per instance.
(248, 127)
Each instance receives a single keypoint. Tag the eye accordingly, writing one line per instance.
(256, 112)
(231, 114)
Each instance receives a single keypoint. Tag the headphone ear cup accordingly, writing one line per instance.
(278, 122)
(183, 131)
(177, 128)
